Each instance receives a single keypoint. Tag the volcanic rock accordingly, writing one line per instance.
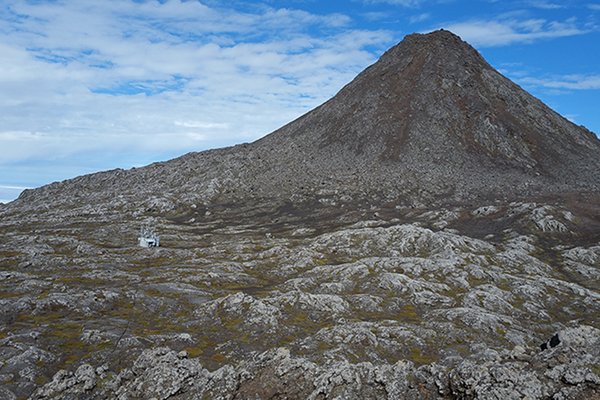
(417, 236)
(431, 120)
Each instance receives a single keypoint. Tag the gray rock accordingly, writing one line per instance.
(417, 236)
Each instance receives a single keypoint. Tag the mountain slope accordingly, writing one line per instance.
(430, 120)
(431, 232)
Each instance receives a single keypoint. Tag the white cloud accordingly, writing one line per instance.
(595, 7)
(419, 18)
(403, 3)
(202, 124)
(10, 192)
(10, 187)
(488, 33)
(122, 77)
(375, 16)
(572, 118)
(570, 82)
(546, 5)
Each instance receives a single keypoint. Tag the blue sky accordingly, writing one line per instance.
(89, 85)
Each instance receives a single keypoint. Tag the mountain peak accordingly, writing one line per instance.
(441, 49)
(437, 36)
(440, 119)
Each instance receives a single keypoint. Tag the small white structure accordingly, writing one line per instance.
(148, 238)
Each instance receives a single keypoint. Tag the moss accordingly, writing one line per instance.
(195, 351)
(63, 249)
(203, 346)
(518, 302)
(475, 281)
(228, 286)
(79, 280)
(153, 262)
(454, 292)
(40, 319)
(550, 257)
(40, 380)
(109, 376)
(324, 346)
(299, 318)
(66, 330)
(8, 295)
(503, 284)
(462, 349)
(145, 273)
(287, 339)
(303, 321)
(319, 261)
(183, 312)
(218, 358)
(69, 360)
(259, 248)
(408, 313)
(232, 324)
(244, 337)
(353, 358)
(44, 294)
(103, 345)
(500, 331)
(143, 323)
(9, 253)
(122, 308)
(417, 356)
(9, 260)
(143, 326)
(152, 292)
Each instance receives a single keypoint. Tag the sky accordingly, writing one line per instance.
(90, 85)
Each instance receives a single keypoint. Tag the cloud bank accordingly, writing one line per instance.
(501, 32)
(122, 77)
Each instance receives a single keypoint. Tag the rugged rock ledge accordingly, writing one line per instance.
(448, 303)
(569, 371)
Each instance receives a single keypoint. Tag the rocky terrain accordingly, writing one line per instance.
(421, 236)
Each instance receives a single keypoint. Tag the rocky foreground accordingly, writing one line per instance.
(325, 301)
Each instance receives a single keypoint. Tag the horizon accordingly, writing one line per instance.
(107, 84)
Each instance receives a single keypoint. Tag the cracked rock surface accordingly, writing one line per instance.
(348, 308)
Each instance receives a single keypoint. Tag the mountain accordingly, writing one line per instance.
(433, 116)
(431, 232)
(430, 120)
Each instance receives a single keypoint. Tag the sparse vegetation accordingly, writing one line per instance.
(309, 267)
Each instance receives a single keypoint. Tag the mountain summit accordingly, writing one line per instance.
(437, 118)
(430, 120)
(434, 97)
